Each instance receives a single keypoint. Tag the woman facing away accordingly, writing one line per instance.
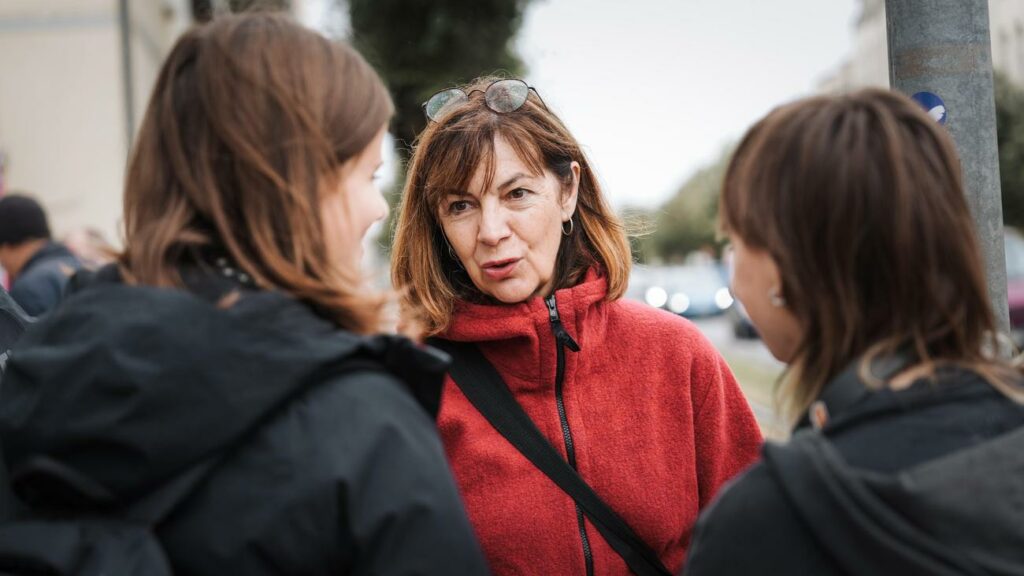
(856, 258)
(506, 242)
(235, 331)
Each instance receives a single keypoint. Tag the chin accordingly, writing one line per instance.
(509, 294)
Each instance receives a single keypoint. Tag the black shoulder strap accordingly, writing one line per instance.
(485, 388)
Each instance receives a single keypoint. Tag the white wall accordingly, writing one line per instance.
(61, 121)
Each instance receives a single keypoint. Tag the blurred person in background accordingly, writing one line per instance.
(856, 258)
(229, 354)
(506, 246)
(39, 267)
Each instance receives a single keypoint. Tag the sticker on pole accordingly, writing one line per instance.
(933, 105)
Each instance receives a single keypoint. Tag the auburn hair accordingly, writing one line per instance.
(250, 119)
(859, 201)
(446, 156)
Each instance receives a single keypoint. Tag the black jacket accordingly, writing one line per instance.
(337, 471)
(40, 283)
(12, 323)
(926, 480)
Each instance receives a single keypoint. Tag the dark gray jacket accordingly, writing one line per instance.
(339, 470)
(922, 481)
(40, 283)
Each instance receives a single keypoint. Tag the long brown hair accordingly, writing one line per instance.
(445, 158)
(249, 121)
(859, 201)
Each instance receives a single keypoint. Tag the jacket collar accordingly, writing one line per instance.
(518, 338)
(49, 250)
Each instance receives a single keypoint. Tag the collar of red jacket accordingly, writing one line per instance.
(518, 338)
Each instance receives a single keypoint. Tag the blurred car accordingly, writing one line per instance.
(691, 291)
(1013, 244)
(742, 327)
(640, 278)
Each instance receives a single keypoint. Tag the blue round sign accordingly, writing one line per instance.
(933, 105)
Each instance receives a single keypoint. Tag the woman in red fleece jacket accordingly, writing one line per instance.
(505, 240)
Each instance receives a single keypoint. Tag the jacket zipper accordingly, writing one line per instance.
(563, 340)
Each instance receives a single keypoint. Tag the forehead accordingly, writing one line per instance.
(461, 161)
(505, 161)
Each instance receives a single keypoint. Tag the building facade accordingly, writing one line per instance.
(75, 79)
(868, 65)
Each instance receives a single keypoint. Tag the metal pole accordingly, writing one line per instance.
(126, 71)
(940, 53)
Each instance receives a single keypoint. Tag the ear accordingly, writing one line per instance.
(570, 196)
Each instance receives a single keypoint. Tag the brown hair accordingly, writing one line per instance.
(446, 157)
(249, 121)
(859, 201)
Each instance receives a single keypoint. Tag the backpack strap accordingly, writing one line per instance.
(487, 391)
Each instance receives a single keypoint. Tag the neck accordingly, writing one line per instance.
(18, 256)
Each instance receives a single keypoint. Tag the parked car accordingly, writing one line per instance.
(742, 327)
(691, 290)
(1013, 244)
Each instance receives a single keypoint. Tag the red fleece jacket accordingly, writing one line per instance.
(656, 419)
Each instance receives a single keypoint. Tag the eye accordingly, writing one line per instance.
(458, 207)
(518, 194)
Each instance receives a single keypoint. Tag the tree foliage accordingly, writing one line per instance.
(422, 46)
(1010, 127)
(688, 220)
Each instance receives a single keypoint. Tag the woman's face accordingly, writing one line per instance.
(507, 236)
(754, 281)
(355, 204)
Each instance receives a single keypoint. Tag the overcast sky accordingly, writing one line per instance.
(655, 89)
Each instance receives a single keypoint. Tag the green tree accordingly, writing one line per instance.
(1010, 127)
(421, 46)
(688, 220)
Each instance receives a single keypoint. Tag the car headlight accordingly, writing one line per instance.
(656, 296)
(723, 299)
(679, 303)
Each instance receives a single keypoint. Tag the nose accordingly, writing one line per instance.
(493, 224)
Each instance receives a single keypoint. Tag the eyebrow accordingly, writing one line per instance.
(512, 180)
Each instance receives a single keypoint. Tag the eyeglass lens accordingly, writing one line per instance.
(503, 96)
(441, 100)
(506, 96)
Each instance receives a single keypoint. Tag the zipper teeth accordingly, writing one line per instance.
(588, 554)
(570, 450)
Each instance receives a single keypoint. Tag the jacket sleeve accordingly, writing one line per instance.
(398, 498)
(726, 435)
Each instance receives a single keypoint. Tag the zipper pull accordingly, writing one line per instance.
(556, 325)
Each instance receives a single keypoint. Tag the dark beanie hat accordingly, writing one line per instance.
(21, 219)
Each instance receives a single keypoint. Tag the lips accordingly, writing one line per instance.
(500, 269)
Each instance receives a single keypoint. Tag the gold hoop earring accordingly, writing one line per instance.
(564, 232)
